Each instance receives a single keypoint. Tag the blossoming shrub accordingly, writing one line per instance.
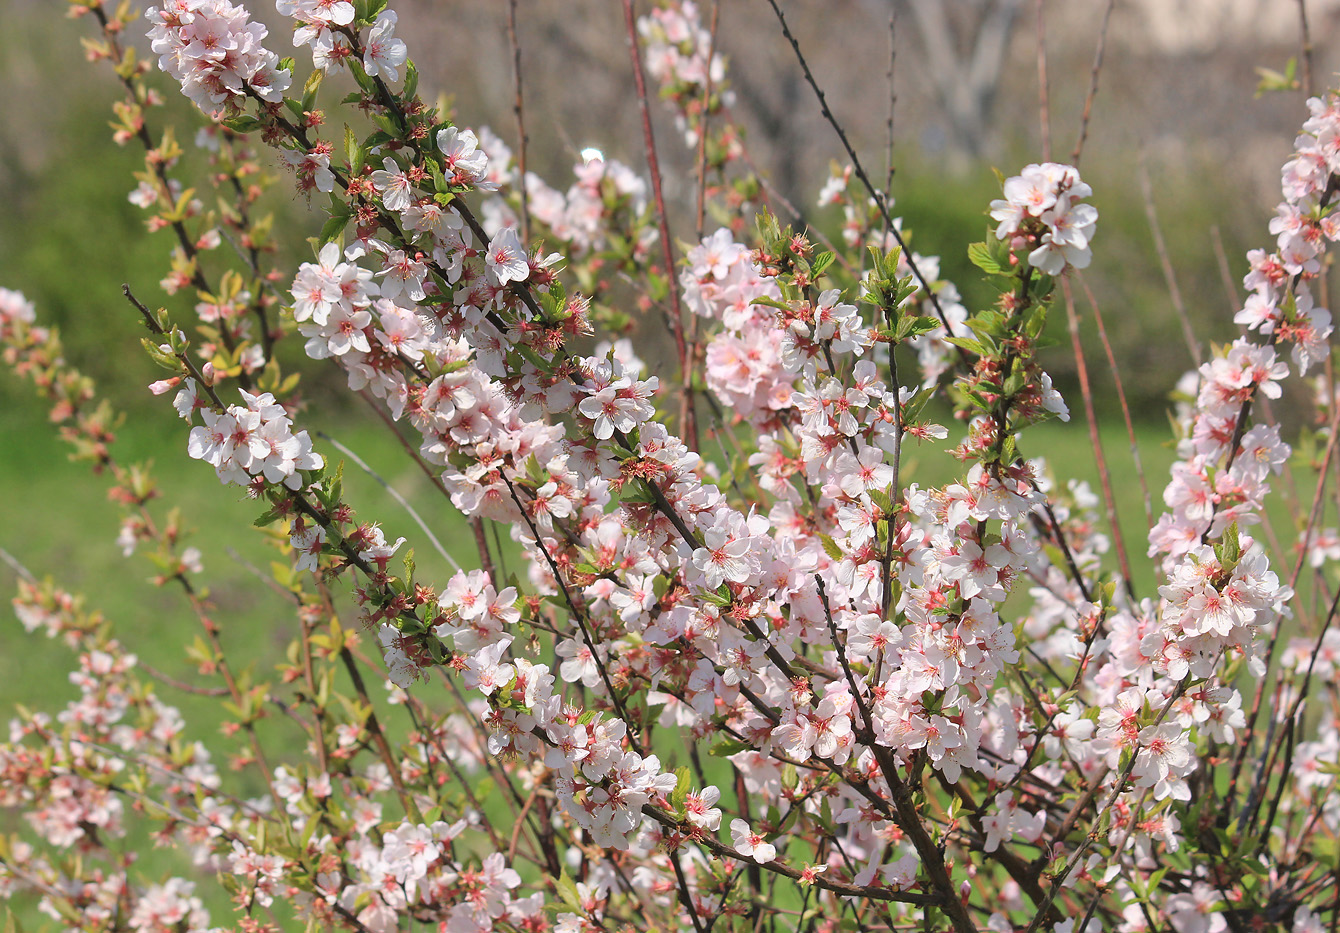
(744, 673)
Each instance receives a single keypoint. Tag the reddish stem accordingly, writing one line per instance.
(667, 247)
(1104, 476)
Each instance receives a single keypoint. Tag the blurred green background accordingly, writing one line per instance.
(1183, 105)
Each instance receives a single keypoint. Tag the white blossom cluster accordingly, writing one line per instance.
(1042, 208)
(214, 50)
(246, 442)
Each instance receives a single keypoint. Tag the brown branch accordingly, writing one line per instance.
(1093, 84)
(1306, 40)
(931, 855)
(1095, 440)
(1121, 398)
(1165, 263)
(667, 246)
(517, 108)
(1044, 101)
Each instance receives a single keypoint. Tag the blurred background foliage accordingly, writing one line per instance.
(1177, 95)
(1177, 92)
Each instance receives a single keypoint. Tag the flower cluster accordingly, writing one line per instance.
(583, 217)
(1218, 601)
(721, 282)
(1280, 302)
(681, 57)
(1042, 211)
(16, 312)
(214, 50)
(318, 28)
(248, 443)
(933, 695)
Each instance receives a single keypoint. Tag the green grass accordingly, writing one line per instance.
(56, 519)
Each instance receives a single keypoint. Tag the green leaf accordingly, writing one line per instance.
(769, 230)
(681, 791)
(333, 227)
(967, 343)
(411, 80)
(727, 747)
(160, 356)
(309, 830)
(351, 148)
(909, 327)
(309, 90)
(567, 890)
(1272, 80)
(980, 256)
(361, 76)
(882, 499)
(243, 123)
(821, 263)
(831, 547)
(269, 518)
(1232, 546)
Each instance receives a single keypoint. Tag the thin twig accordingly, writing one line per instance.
(578, 616)
(1093, 85)
(1306, 46)
(1292, 719)
(893, 100)
(896, 487)
(394, 494)
(1225, 273)
(17, 567)
(701, 212)
(1095, 440)
(181, 685)
(1121, 397)
(424, 466)
(771, 193)
(521, 137)
(379, 735)
(874, 192)
(1044, 101)
(1175, 293)
(688, 420)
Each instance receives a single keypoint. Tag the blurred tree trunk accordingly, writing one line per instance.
(965, 43)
